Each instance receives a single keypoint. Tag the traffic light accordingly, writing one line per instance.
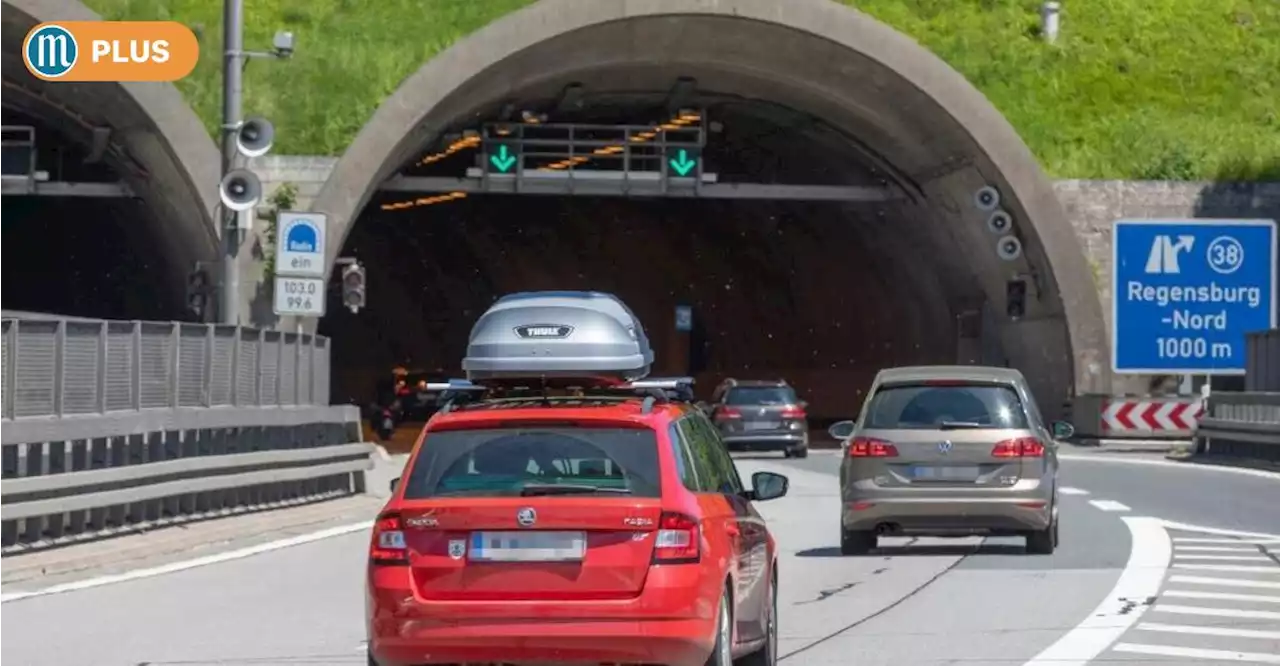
(353, 287)
(198, 292)
(1015, 298)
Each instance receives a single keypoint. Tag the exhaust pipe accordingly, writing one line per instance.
(885, 529)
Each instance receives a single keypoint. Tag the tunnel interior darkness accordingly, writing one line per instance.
(81, 256)
(822, 294)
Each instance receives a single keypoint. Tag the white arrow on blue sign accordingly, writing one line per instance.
(1186, 292)
(300, 239)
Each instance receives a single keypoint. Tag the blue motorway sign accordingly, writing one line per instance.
(1185, 293)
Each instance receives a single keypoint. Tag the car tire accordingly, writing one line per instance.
(802, 452)
(369, 655)
(722, 651)
(857, 542)
(1043, 542)
(767, 655)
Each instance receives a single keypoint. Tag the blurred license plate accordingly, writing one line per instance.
(760, 425)
(946, 473)
(528, 546)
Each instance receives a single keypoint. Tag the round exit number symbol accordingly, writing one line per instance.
(1226, 255)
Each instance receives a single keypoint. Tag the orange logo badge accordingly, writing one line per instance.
(110, 51)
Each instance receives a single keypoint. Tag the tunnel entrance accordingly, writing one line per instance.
(822, 95)
(113, 213)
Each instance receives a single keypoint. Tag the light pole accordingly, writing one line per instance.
(239, 190)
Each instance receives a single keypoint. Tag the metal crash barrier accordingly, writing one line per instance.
(110, 426)
(1241, 425)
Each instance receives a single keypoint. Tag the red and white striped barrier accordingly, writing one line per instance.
(1150, 416)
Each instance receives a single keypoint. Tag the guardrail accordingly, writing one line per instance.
(1243, 425)
(114, 426)
(66, 367)
(106, 474)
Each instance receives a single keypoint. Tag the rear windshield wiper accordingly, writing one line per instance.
(960, 425)
(568, 489)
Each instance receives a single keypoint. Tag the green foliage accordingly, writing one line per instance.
(285, 197)
(1186, 89)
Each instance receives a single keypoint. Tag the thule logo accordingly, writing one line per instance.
(544, 331)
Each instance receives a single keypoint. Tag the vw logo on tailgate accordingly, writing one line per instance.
(526, 517)
(944, 446)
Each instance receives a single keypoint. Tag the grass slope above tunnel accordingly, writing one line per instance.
(777, 289)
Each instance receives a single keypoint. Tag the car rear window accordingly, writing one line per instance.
(927, 407)
(506, 462)
(761, 395)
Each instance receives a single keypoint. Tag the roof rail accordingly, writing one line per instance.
(656, 390)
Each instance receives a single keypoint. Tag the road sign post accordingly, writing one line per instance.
(300, 264)
(1185, 293)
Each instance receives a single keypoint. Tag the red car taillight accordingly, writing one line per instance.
(866, 447)
(793, 413)
(727, 414)
(677, 541)
(1023, 447)
(388, 546)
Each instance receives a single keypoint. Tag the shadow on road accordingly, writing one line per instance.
(920, 551)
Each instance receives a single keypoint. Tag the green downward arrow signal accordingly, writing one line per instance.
(503, 161)
(681, 163)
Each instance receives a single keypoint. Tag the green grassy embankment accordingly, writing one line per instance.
(1139, 89)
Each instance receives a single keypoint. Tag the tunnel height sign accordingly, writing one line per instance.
(1185, 293)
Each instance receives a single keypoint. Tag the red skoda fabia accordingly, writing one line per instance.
(573, 531)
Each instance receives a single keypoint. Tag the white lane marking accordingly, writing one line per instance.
(1184, 527)
(1225, 582)
(1108, 505)
(1194, 467)
(1149, 555)
(1208, 631)
(1221, 596)
(1229, 567)
(1073, 491)
(1198, 653)
(1224, 558)
(1256, 542)
(1212, 549)
(215, 558)
(1216, 612)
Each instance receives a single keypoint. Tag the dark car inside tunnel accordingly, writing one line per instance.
(88, 256)
(820, 293)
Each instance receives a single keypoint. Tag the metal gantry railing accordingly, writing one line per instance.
(118, 424)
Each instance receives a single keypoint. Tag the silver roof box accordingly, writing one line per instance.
(584, 335)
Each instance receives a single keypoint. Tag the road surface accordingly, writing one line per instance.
(1159, 564)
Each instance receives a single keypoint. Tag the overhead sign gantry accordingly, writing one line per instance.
(575, 159)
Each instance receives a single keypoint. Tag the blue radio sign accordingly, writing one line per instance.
(1185, 293)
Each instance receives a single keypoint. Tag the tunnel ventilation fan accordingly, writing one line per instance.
(999, 222)
(986, 199)
(1009, 248)
(545, 335)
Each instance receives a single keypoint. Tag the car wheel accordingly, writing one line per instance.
(854, 542)
(1043, 542)
(767, 655)
(369, 654)
(722, 652)
(801, 453)
(787, 453)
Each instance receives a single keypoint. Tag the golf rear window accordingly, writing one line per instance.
(502, 462)
(761, 395)
(927, 407)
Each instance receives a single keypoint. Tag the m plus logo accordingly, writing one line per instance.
(1163, 258)
(50, 51)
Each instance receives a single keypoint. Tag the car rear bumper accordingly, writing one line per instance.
(950, 516)
(780, 440)
(671, 622)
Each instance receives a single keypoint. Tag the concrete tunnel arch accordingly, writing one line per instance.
(157, 143)
(911, 113)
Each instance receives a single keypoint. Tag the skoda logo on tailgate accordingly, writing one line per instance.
(526, 517)
(544, 331)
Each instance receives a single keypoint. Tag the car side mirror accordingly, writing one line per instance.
(842, 430)
(1063, 430)
(394, 484)
(767, 486)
